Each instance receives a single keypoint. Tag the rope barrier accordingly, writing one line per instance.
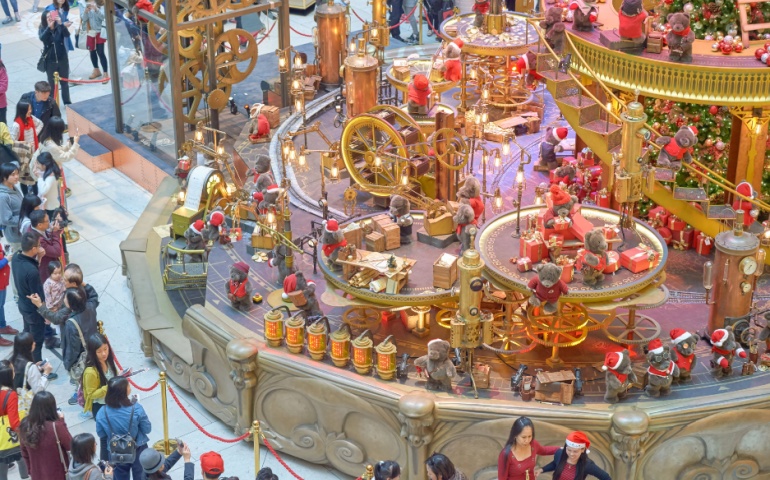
(69, 80)
(160, 98)
(280, 460)
(200, 427)
(406, 18)
(299, 33)
(267, 34)
(142, 389)
(425, 14)
(132, 95)
(358, 16)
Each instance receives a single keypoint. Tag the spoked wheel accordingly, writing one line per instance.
(362, 318)
(446, 313)
(510, 337)
(567, 327)
(632, 329)
(599, 320)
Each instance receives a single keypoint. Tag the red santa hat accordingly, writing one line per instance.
(290, 283)
(258, 196)
(197, 226)
(459, 42)
(578, 439)
(679, 335)
(655, 346)
(332, 225)
(145, 5)
(745, 189)
(421, 82)
(559, 196)
(242, 266)
(273, 189)
(719, 337)
(612, 361)
(559, 133)
(694, 130)
(522, 64)
(217, 218)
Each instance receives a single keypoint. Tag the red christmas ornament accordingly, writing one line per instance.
(713, 109)
(767, 46)
(708, 143)
(738, 47)
(696, 118)
(758, 53)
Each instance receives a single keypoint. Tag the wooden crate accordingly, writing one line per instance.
(401, 73)
(441, 225)
(262, 241)
(557, 387)
(354, 234)
(655, 42)
(445, 271)
(375, 242)
(273, 115)
(392, 234)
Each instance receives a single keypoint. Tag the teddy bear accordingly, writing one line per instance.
(593, 258)
(259, 126)
(400, 212)
(526, 65)
(631, 20)
(661, 371)
(464, 221)
(680, 38)
(549, 147)
(268, 198)
(547, 287)
(564, 174)
(262, 176)
(418, 92)
(724, 348)
(277, 259)
(562, 206)
(301, 292)
(470, 193)
(619, 375)
(238, 288)
(480, 8)
(677, 149)
(214, 222)
(437, 365)
(195, 241)
(749, 210)
(451, 68)
(683, 353)
(554, 28)
(585, 15)
(332, 239)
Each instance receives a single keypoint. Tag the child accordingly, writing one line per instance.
(54, 287)
(5, 273)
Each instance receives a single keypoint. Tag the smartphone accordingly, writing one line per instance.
(180, 443)
(54, 15)
(43, 363)
(72, 140)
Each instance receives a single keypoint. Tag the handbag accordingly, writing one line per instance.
(122, 446)
(81, 39)
(41, 61)
(25, 394)
(76, 371)
(9, 440)
(61, 454)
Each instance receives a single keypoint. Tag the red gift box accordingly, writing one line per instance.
(703, 244)
(601, 198)
(610, 231)
(547, 232)
(666, 233)
(236, 234)
(595, 171)
(587, 157)
(639, 259)
(580, 226)
(561, 224)
(567, 271)
(675, 223)
(683, 239)
(613, 262)
(524, 264)
(658, 217)
(570, 161)
(555, 239)
(533, 247)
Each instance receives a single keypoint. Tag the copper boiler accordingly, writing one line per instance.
(332, 41)
(360, 81)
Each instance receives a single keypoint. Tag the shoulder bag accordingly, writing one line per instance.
(41, 62)
(61, 454)
(122, 446)
(9, 440)
(25, 394)
(76, 372)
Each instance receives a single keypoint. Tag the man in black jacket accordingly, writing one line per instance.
(43, 106)
(26, 277)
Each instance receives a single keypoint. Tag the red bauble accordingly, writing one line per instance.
(767, 46)
(738, 47)
(708, 143)
(768, 61)
(727, 49)
(759, 52)
(696, 118)
(713, 109)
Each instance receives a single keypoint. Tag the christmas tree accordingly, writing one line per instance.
(709, 18)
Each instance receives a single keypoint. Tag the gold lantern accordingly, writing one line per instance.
(362, 352)
(274, 326)
(386, 359)
(340, 346)
(317, 338)
(295, 334)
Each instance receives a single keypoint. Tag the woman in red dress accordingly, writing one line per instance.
(518, 459)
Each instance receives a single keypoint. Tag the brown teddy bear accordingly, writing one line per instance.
(332, 239)
(683, 353)
(619, 375)
(554, 28)
(677, 149)
(259, 127)
(437, 366)
(268, 198)
(451, 68)
(585, 16)
(262, 176)
(418, 92)
(470, 193)
(547, 287)
(302, 294)
(593, 258)
(724, 348)
(680, 38)
(562, 206)
(549, 147)
(564, 174)
(480, 8)
(400, 212)
(238, 288)
(464, 220)
(631, 20)
(662, 371)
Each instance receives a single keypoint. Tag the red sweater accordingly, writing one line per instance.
(5, 270)
(419, 97)
(44, 461)
(508, 468)
(545, 294)
(631, 27)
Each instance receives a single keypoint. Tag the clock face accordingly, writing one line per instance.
(748, 265)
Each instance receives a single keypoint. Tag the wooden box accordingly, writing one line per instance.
(309, 93)
(273, 115)
(354, 234)
(262, 241)
(402, 74)
(655, 42)
(375, 242)
(557, 387)
(481, 375)
(313, 81)
(445, 271)
(392, 234)
(411, 135)
(379, 220)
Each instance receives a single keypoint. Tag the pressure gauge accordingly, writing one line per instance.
(748, 265)
(745, 287)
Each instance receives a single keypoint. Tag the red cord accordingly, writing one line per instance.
(358, 16)
(425, 14)
(406, 18)
(266, 34)
(101, 80)
(132, 95)
(198, 425)
(299, 33)
(149, 389)
(280, 460)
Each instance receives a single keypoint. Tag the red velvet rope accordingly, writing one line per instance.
(69, 80)
(425, 14)
(200, 427)
(299, 33)
(143, 389)
(280, 460)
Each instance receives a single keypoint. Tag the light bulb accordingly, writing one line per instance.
(335, 172)
(286, 149)
(477, 119)
(270, 217)
(302, 160)
(498, 200)
(295, 84)
(374, 33)
(506, 148)
(199, 136)
(353, 46)
(298, 104)
(538, 200)
(498, 162)
(484, 117)
(282, 63)
(221, 149)
(377, 161)
(405, 180)
(485, 93)
(292, 153)
(520, 177)
(485, 159)
(297, 61)
(473, 73)
(182, 195)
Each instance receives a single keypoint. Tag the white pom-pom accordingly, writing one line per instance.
(604, 367)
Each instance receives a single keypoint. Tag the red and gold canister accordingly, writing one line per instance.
(317, 338)
(274, 326)
(386, 359)
(295, 334)
(362, 353)
(340, 346)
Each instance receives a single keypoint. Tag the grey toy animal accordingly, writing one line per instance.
(400, 209)
(302, 294)
(683, 353)
(680, 38)
(277, 259)
(619, 375)
(238, 288)
(661, 371)
(585, 15)
(332, 239)
(554, 28)
(262, 176)
(437, 365)
(464, 221)
(593, 258)
(195, 241)
(724, 348)
(547, 287)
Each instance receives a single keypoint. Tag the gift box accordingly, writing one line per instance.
(402, 74)
(601, 198)
(613, 262)
(570, 161)
(683, 239)
(560, 224)
(703, 244)
(595, 171)
(555, 240)
(586, 156)
(666, 233)
(675, 223)
(236, 234)
(639, 259)
(533, 246)
(610, 231)
(580, 227)
(567, 268)
(658, 216)
(262, 241)
(445, 271)
(553, 178)
(524, 264)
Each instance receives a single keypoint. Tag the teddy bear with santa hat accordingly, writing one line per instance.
(418, 92)
(724, 348)
(332, 240)
(450, 67)
(619, 375)
(549, 147)
(683, 353)
(750, 211)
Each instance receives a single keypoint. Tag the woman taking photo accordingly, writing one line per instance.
(518, 460)
(45, 440)
(83, 466)
(120, 416)
(9, 408)
(52, 140)
(48, 175)
(572, 463)
(28, 374)
(54, 34)
(439, 467)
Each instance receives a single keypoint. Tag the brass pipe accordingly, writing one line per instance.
(255, 433)
(164, 405)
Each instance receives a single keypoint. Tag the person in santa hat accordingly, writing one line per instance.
(571, 462)
(724, 348)
(619, 375)
(238, 288)
(194, 237)
(549, 147)
(750, 211)
(683, 353)
(418, 92)
(332, 239)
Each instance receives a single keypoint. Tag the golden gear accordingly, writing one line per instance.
(227, 62)
(454, 144)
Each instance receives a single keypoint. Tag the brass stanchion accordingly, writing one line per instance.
(165, 445)
(256, 433)
(56, 86)
(422, 17)
(368, 474)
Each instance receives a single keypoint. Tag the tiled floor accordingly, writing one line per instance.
(104, 207)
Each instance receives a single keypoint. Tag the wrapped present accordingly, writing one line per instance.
(683, 239)
(402, 74)
(580, 227)
(595, 171)
(561, 224)
(639, 259)
(658, 217)
(586, 156)
(567, 268)
(601, 198)
(610, 231)
(666, 233)
(553, 178)
(703, 244)
(236, 234)
(524, 264)
(532, 245)
(570, 161)
(555, 240)
(613, 262)
(675, 223)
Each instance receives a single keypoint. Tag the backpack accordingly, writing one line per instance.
(76, 372)
(122, 447)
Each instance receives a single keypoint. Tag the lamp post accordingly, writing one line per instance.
(520, 184)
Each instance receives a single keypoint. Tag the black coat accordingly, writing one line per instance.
(53, 43)
(26, 277)
(71, 346)
(591, 468)
(50, 109)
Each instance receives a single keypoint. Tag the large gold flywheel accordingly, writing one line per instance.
(375, 154)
